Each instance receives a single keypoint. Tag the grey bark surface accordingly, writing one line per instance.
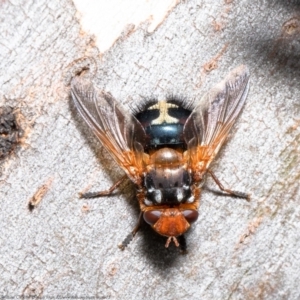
(67, 247)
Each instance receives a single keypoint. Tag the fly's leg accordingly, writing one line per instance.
(182, 243)
(131, 235)
(230, 192)
(103, 193)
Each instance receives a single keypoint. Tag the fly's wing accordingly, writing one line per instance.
(119, 131)
(210, 122)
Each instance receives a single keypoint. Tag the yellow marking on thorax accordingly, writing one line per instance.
(163, 117)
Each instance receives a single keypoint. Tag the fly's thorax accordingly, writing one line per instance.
(167, 181)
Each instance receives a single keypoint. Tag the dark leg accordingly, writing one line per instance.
(103, 193)
(182, 243)
(230, 192)
(131, 235)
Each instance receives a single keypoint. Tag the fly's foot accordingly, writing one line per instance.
(126, 241)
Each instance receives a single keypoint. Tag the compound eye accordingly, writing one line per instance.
(190, 215)
(152, 216)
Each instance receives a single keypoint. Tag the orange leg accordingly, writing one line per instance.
(103, 193)
(230, 192)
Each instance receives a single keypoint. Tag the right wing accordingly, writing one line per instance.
(210, 122)
(119, 131)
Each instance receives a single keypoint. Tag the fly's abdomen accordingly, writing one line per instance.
(163, 124)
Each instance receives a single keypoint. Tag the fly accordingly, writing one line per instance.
(165, 149)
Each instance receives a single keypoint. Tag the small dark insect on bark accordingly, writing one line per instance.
(9, 131)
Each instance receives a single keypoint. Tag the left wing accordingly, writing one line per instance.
(210, 122)
(118, 130)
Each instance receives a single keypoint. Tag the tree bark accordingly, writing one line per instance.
(67, 247)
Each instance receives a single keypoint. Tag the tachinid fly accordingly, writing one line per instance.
(165, 149)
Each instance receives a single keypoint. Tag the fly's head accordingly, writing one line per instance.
(170, 222)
